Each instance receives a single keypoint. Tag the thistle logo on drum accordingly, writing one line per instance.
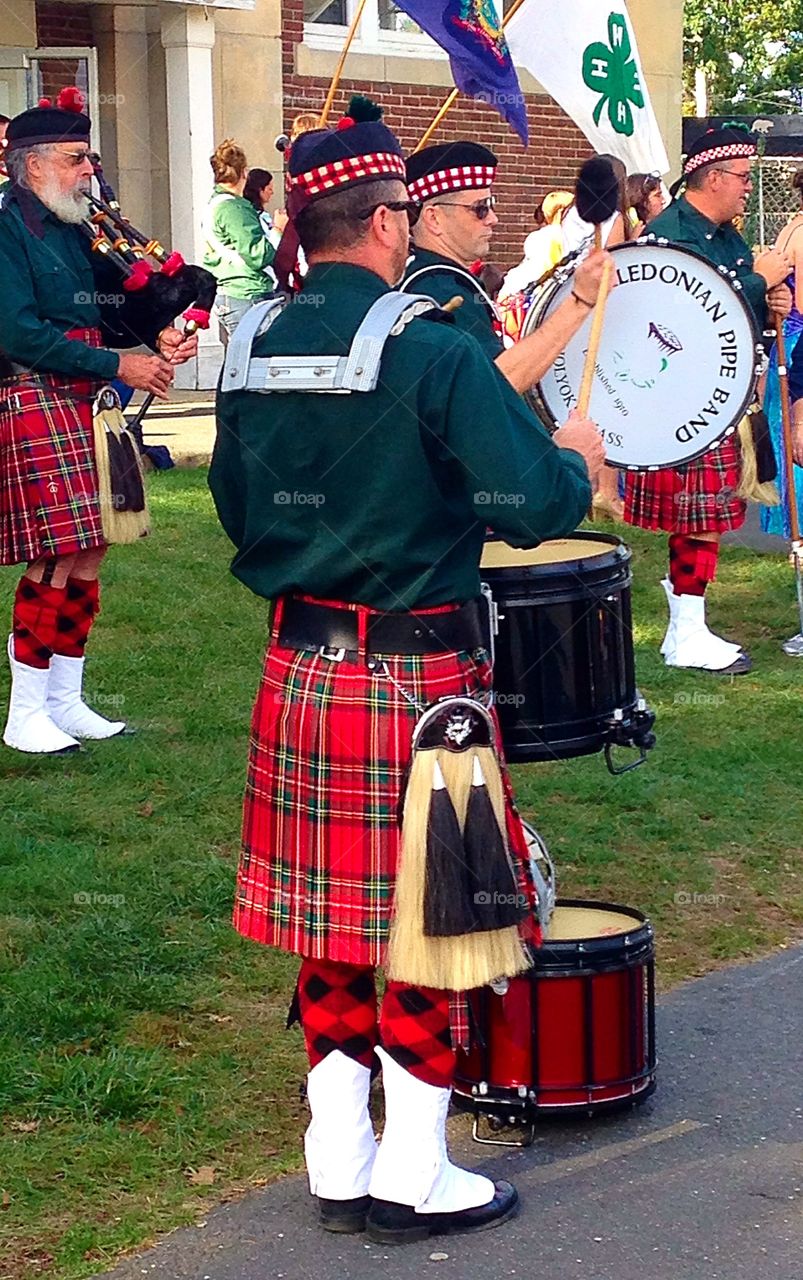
(643, 368)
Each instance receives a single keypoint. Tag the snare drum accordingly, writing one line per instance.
(564, 669)
(576, 1033)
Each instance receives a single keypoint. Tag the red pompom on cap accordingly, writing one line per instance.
(346, 122)
(44, 102)
(71, 99)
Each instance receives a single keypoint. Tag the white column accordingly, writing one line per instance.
(188, 37)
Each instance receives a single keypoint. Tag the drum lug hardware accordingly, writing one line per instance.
(497, 1124)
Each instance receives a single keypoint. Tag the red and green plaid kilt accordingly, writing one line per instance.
(698, 498)
(48, 483)
(329, 744)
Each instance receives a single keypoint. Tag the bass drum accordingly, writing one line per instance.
(677, 362)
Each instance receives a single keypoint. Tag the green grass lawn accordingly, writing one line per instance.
(142, 1042)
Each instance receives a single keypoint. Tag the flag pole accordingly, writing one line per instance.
(450, 101)
(352, 31)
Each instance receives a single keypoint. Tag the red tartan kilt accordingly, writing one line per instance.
(48, 482)
(697, 498)
(329, 745)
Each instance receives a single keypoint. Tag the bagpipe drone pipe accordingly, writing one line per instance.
(157, 286)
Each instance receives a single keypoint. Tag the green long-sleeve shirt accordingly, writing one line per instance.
(443, 282)
(50, 282)
(383, 498)
(682, 224)
(237, 250)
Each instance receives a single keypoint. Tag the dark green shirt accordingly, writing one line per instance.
(50, 283)
(722, 246)
(445, 280)
(383, 498)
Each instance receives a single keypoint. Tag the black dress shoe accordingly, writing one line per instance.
(346, 1217)
(390, 1223)
(739, 667)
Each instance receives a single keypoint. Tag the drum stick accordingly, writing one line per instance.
(789, 462)
(584, 397)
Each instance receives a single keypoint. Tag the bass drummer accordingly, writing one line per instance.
(696, 503)
(451, 185)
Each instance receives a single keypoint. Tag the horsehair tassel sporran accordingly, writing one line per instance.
(457, 907)
(121, 490)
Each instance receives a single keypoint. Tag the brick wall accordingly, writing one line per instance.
(556, 149)
(61, 26)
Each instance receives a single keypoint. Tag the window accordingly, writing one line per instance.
(383, 28)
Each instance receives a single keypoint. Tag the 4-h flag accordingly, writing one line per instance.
(471, 33)
(584, 54)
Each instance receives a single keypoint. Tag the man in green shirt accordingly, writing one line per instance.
(362, 514)
(451, 183)
(61, 303)
(698, 502)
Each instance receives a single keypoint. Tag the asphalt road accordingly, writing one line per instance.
(703, 1182)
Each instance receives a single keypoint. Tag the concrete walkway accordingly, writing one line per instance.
(703, 1182)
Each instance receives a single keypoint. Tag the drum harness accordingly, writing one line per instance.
(339, 374)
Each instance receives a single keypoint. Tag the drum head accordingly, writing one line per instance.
(677, 361)
(498, 555)
(574, 924)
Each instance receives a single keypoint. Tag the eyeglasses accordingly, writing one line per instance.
(409, 207)
(480, 208)
(744, 178)
(75, 157)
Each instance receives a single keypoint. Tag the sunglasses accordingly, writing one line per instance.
(480, 208)
(409, 207)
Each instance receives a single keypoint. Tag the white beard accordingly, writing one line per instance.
(72, 207)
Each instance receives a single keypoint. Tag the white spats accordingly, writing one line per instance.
(412, 1166)
(339, 1144)
(29, 726)
(688, 641)
(67, 708)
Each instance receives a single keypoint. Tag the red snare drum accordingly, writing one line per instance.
(574, 1034)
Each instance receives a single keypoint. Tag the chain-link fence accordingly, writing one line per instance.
(773, 202)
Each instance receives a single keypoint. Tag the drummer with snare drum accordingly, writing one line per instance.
(696, 503)
(451, 184)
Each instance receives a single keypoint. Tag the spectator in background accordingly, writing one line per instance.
(543, 248)
(4, 123)
(237, 251)
(645, 198)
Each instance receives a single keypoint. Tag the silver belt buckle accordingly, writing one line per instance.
(331, 654)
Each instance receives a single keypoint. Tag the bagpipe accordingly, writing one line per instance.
(157, 288)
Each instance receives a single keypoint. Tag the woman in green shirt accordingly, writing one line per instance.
(237, 252)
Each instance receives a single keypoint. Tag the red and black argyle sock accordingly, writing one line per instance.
(414, 1030)
(692, 564)
(81, 604)
(337, 1004)
(37, 606)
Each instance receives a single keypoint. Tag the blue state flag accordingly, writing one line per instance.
(471, 33)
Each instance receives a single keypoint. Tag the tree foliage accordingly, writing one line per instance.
(751, 52)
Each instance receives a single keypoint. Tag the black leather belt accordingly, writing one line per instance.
(317, 626)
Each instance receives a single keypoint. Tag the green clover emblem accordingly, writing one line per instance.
(612, 72)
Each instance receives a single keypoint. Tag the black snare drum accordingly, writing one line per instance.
(564, 671)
